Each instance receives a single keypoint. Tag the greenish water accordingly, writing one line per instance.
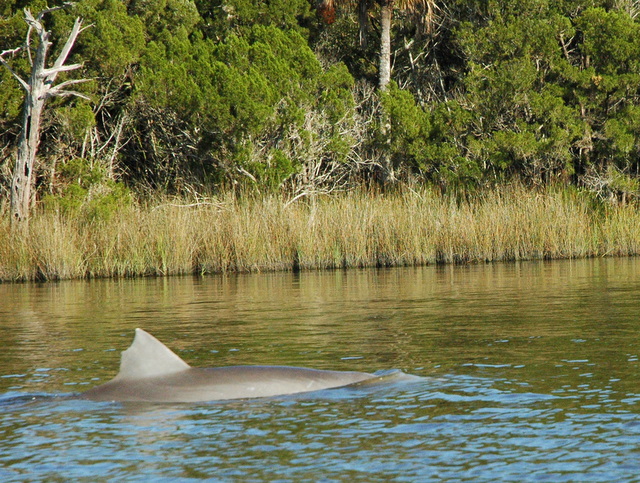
(529, 372)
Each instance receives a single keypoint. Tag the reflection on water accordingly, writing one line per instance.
(530, 372)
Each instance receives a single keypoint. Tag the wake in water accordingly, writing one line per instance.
(384, 380)
(14, 399)
(446, 388)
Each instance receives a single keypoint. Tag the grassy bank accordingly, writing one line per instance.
(348, 230)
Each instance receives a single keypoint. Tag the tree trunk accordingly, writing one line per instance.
(363, 22)
(23, 171)
(29, 139)
(386, 13)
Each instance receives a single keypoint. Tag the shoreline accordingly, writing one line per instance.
(349, 230)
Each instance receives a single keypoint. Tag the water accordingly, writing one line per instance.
(529, 372)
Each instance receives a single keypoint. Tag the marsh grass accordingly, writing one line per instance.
(356, 229)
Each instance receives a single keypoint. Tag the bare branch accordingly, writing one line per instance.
(38, 63)
(27, 43)
(35, 24)
(61, 93)
(69, 83)
(58, 64)
(59, 90)
(218, 205)
(42, 13)
(11, 51)
(53, 71)
(24, 85)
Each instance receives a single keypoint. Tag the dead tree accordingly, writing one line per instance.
(38, 88)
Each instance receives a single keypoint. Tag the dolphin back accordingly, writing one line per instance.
(149, 371)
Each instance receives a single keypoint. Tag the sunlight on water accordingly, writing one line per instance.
(528, 372)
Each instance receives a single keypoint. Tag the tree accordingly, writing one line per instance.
(39, 88)
(327, 9)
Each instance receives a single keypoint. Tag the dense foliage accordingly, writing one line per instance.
(191, 95)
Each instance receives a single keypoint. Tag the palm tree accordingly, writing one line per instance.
(327, 10)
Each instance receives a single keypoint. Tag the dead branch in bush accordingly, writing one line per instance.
(613, 185)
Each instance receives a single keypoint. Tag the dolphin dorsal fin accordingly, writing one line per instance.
(148, 357)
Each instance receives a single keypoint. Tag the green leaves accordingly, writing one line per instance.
(244, 94)
(85, 189)
(549, 86)
(256, 91)
(405, 126)
(229, 89)
(610, 41)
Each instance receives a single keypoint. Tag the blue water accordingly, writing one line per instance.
(458, 429)
(526, 372)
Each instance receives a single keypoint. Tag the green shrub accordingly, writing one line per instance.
(85, 190)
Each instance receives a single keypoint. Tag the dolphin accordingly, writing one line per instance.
(150, 371)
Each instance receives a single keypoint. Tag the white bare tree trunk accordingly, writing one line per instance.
(386, 14)
(39, 88)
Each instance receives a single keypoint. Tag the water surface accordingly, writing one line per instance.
(529, 373)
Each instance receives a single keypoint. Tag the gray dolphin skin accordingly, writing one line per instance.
(150, 371)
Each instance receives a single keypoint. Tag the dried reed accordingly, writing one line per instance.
(356, 229)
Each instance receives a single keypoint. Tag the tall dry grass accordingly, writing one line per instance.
(356, 229)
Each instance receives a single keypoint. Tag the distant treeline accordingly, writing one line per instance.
(191, 96)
